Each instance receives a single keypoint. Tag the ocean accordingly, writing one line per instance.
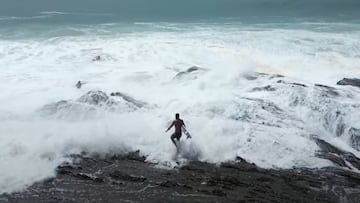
(146, 48)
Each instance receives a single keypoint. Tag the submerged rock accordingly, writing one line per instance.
(349, 81)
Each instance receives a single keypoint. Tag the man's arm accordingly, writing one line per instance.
(172, 124)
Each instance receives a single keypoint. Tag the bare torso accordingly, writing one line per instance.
(178, 123)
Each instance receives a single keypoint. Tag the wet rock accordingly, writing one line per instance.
(126, 177)
(89, 177)
(218, 192)
(91, 105)
(168, 184)
(336, 155)
(215, 192)
(129, 99)
(291, 83)
(63, 171)
(326, 147)
(242, 166)
(192, 70)
(355, 138)
(130, 156)
(349, 81)
(135, 156)
(67, 168)
(87, 106)
(333, 158)
(340, 128)
(328, 91)
(100, 98)
(250, 77)
(256, 75)
(240, 159)
(265, 88)
(96, 179)
(199, 167)
(94, 98)
(276, 76)
(324, 86)
(224, 182)
(172, 184)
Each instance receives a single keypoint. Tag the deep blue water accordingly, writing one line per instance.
(13, 12)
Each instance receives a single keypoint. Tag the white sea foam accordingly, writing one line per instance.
(9, 18)
(53, 13)
(226, 117)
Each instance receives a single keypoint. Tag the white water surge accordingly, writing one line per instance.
(230, 110)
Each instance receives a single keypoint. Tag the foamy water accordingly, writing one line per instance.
(221, 110)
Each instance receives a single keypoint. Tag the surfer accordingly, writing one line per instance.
(79, 84)
(178, 123)
(97, 58)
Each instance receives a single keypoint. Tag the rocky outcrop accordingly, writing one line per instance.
(191, 72)
(327, 90)
(124, 178)
(337, 156)
(92, 104)
(349, 81)
(129, 99)
(265, 88)
(257, 75)
(291, 83)
(95, 98)
(355, 138)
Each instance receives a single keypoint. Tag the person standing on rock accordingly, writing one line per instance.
(179, 124)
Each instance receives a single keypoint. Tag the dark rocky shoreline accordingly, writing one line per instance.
(129, 178)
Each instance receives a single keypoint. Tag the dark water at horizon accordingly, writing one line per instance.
(107, 11)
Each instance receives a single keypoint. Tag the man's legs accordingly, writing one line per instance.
(173, 137)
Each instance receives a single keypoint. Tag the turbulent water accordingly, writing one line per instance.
(145, 52)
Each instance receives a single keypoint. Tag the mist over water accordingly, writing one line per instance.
(145, 46)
